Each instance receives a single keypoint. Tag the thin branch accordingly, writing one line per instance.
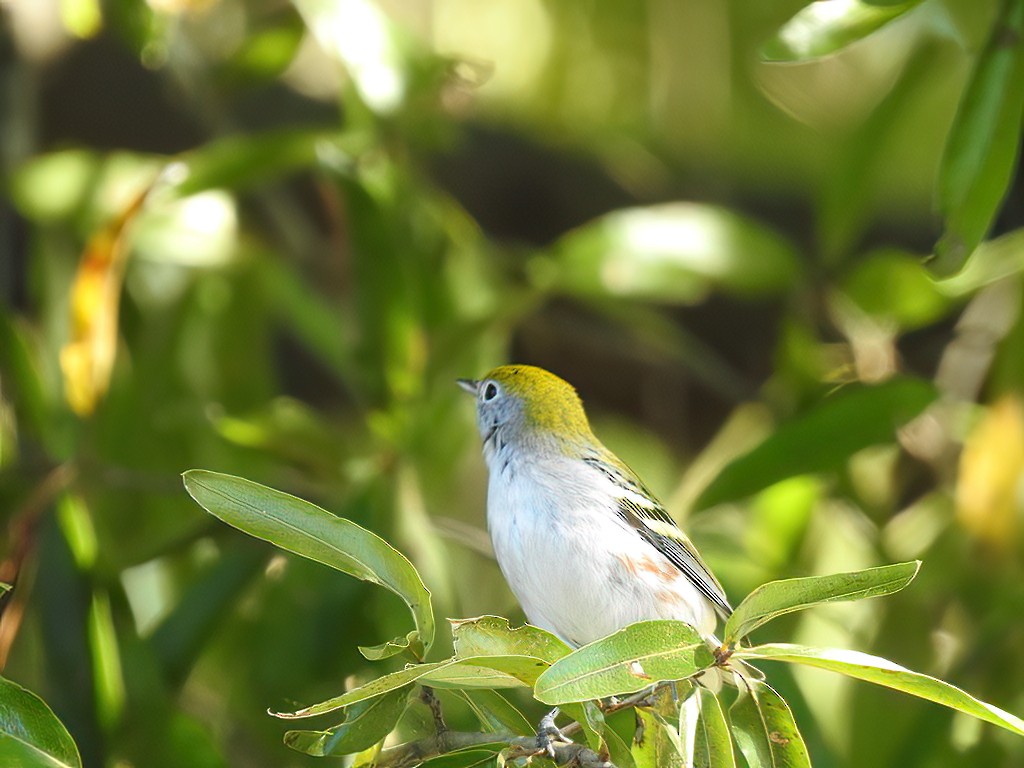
(566, 753)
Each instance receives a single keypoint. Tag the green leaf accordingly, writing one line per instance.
(981, 151)
(654, 746)
(493, 636)
(822, 438)
(884, 672)
(708, 739)
(237, 162)
(365, 724)
(471, 672)
(496, 713)
(896, 288)
(411, 643)
(465, 758)
(991, 262)
(626, 661)
(591, 720)
(308, 530)
(30, 734)
(4, 588)
(488, 672)
(619, 753)
(181, 635)
(765, 731)
(372, 689)
(826, 26)
(777, 598)
(671, 253)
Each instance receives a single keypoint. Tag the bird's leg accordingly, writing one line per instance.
(548, 732)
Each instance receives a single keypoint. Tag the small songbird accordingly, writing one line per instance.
(584, 546)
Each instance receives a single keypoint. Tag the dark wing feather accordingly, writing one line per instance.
(656, 526)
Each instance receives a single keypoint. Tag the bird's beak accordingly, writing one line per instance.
(469, 385)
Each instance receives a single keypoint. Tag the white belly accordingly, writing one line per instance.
(576, 567)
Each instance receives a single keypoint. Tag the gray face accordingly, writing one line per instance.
(495, 409)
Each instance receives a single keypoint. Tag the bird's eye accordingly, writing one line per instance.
(490, 391)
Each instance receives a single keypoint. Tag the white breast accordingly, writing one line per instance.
(575, 566)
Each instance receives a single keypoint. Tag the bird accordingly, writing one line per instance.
(584, 546)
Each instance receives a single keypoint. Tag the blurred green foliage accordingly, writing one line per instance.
(351, 203)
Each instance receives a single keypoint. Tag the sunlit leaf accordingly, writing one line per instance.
(765, 731)
(308, 530)
(624, 662)
(707, 739)
(981, 151)
(360, 35)
(988, 499)
(672, 253)
(30, 734)
(826, 26)
(106, 661)
(777, 598)
(87, 360)
(509, 671)
(492, 635)
(884, 672)
(822, 438)
(365, 724)
(410, 643)
(371, 690)
(472, 672)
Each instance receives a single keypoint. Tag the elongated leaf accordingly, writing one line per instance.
(308, 530)
(365, 724)
(626, 661)
(488, 672)
(240, 161)
(672, 253)
(619, 753)
(496, 713)
(492, 635)
(591, 720)
(372, 689)
(884, 672)
(654, 746)
(477, 757)
(179, 638)
(826, 26)
(471, 672)
(823, 438)
(777, 598)
(30, 734)
(410, 643)
(981, 151)
(711, 742)
(765, 731)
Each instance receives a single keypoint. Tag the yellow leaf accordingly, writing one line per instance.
(990, 488)
(87, 360)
